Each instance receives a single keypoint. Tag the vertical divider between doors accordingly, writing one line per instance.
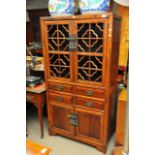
(72, 67)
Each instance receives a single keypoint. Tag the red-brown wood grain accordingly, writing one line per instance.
(91, 98)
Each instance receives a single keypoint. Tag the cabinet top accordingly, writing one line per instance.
(78, 17)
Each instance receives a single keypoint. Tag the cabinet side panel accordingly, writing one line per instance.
(114, 72)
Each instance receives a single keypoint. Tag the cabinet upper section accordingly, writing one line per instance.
(76, 48)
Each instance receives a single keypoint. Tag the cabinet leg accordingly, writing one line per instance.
(52, 133)
(40, 115)
(101, 148)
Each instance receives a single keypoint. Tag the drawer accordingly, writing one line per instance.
(59, 87)
(59, 98)
(89, 103)
(91, 92)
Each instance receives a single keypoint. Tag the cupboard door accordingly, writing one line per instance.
(60, 122)
(91, 49)
(90, 125)
(59, 55)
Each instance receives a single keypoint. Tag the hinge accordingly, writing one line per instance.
(73, 119)
(72, 42)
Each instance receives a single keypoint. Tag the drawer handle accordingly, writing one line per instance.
(89, 93)
(59, 87)
(89, 104)
(59, 99)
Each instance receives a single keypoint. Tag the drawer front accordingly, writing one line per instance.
(59, 87)
(59, 98)
(91, 92)
(89, 103)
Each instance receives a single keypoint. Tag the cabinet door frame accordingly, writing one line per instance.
(52, 119)
(46, 49)
(87, 138)
(103, 54)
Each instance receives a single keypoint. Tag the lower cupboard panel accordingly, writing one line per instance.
(60, 120)
(90, 125)
(89, 141)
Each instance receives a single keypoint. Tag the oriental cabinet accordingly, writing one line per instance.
(81, 57)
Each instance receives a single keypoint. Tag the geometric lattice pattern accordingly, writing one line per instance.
(58, 37)
(90, 68)
(59, 65)
(90, 37)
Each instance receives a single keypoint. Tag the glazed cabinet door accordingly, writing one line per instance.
(59, 120)
(90, 125)
(57, 49)
(91, 51)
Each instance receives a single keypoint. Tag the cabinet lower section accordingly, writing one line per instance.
(99, 146)
(83, 123)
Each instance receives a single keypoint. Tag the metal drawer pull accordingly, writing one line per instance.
(89, 93)
(59, 99)
(72, 116)
(59, 87)
(89, 104)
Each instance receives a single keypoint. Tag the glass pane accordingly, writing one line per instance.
(96, 45)
(90, 37)
(63, 31)
(96, 75)
(58, 37)
(83, 45)
(83, 31)
(96, 62)
(83, 61)
(83, 74)
(96, 30)
(64, 45)
(59, 65)
(53, 44)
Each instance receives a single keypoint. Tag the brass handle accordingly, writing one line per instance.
(72, 116)
(69, 115)
(59, 99)
(89, 93)
(59, 87)
(89, 104)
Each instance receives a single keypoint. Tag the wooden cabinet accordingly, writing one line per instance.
(81, 57)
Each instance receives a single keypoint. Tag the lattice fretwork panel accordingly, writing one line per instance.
(59, 65)
(58, 37)
(90, 68)
(90, 37)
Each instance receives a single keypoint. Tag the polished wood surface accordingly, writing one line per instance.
(33, 148)
(117, 150)
(59, 98)
(36, 96)
(37, 89)
(89, 103)
(123, 11)
(59, 87)
(121, 113)
(81, 58)
(91, 92)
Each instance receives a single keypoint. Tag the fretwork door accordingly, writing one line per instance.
(59, 53)
(91, 51)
